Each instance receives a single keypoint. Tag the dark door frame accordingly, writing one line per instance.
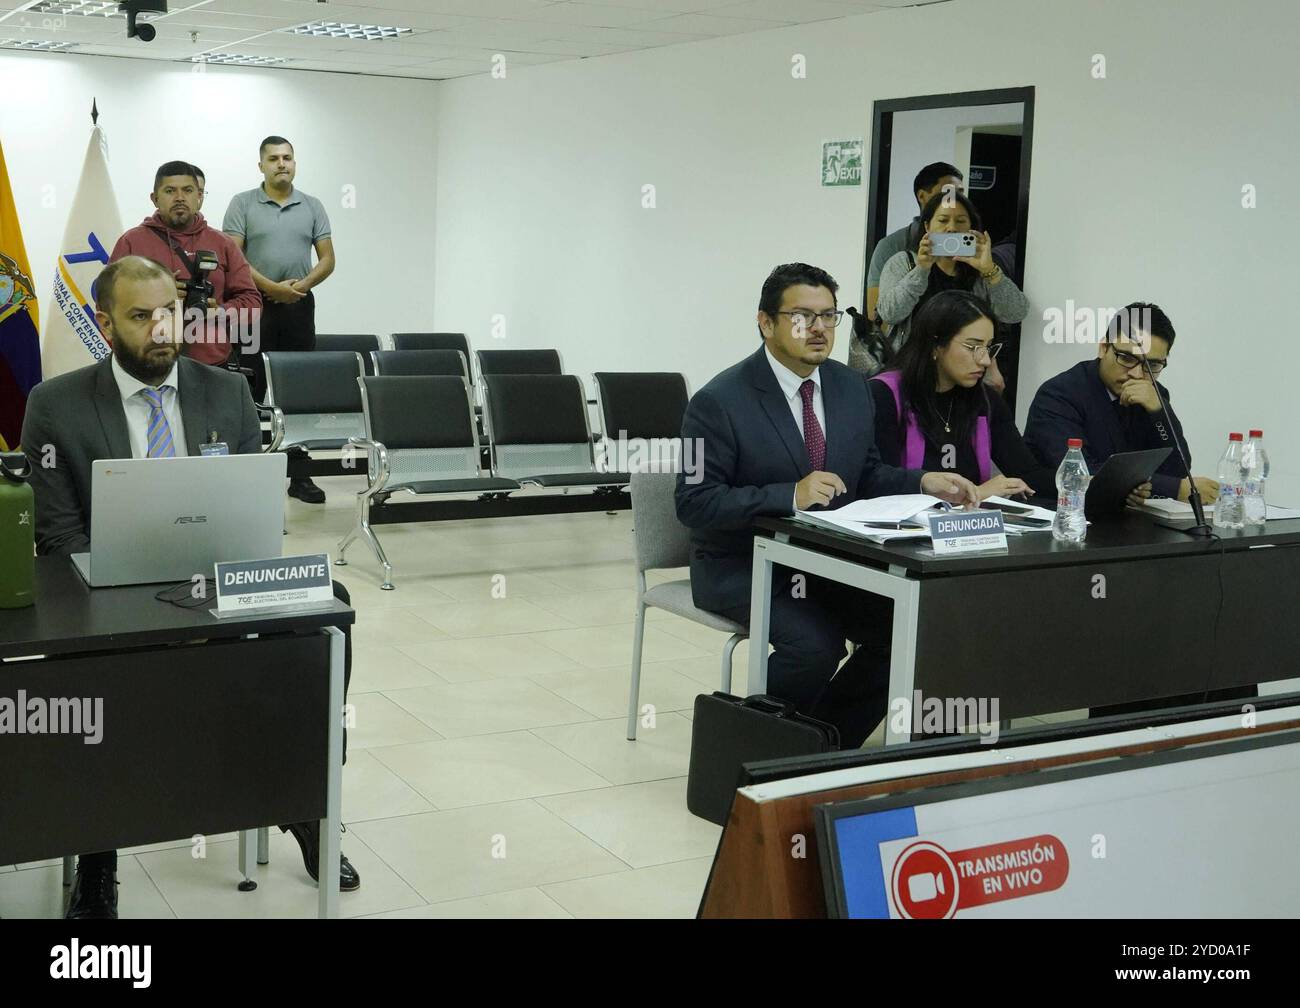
(882, 136)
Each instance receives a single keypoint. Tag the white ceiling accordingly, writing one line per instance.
(450, 38)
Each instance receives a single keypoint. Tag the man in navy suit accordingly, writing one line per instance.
(1111, 403)
(787, 428)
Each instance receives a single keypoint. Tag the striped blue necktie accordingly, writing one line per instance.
(159, 436)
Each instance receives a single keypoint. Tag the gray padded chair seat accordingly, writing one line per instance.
(675, 597)
(578, 479)
(482, 485)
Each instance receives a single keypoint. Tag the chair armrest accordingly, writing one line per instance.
(377, 471)
(276, 416)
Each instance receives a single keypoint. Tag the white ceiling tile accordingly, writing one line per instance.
(901, 3)
(598, 14)
(472, 8)
(532, 58)
(708, 24)
(431, 47)
(783, 10)
(668, 6)
(575, 49)
(621, 36)
(461, 68)
(498, 30)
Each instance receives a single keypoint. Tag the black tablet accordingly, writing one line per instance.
(1111, 484)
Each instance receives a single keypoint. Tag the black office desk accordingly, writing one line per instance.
(205, 729)
(1131, 614)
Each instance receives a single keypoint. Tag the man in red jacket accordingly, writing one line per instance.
(171, 237)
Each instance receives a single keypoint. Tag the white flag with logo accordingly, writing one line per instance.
(71, 337)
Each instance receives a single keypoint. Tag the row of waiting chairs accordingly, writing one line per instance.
(488, 361)
(414, 418)
(485, 362)
(316, 395)
(422, 440)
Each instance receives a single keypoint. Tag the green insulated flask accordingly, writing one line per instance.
(17, 534)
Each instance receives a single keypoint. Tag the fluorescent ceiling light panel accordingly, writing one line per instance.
(86, 8)
(237, 59)
(35, 44)
(338, 29)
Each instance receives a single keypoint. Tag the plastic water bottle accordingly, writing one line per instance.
(1254, 472)
(1227, 509)
(1071, 487)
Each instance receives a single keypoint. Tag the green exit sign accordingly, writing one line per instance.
(842, 163)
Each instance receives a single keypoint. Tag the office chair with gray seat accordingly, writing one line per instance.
(663, 543)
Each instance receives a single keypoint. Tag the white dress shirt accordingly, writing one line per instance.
(790, 384)
(137, 408)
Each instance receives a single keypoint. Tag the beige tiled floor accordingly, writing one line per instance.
(488, 772)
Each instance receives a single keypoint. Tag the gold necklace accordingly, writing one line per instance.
(946, 428)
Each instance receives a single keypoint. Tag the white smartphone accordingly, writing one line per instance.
(952, 243)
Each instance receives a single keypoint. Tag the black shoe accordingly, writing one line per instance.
(308, 836)
(306, 491)
(94, 895)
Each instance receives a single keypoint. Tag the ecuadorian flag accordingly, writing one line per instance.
(20, 347)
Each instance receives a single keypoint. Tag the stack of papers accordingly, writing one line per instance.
(880, 519)
(906, 516)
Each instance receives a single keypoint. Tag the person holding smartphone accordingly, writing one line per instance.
(910, 278)
(933, 409)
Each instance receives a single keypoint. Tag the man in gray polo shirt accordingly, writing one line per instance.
(277, 226)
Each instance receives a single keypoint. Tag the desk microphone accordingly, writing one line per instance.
(1200, 529)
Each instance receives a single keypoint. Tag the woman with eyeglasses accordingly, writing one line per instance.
(911, 278)
(933, 410)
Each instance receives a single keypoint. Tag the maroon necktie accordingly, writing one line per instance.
(813, 438)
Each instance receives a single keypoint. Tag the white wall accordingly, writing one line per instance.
(374, 133)
(926, 135)
(1136, 189)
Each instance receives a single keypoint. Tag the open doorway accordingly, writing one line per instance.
(988, 137)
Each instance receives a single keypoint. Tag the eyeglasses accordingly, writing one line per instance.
(992, 349)
(1128, 361)
(830, 319)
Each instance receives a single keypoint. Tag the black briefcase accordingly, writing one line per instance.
(729, 731)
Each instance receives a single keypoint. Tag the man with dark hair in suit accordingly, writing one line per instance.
(788, 428)
(145, 401)
(1111, 403)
